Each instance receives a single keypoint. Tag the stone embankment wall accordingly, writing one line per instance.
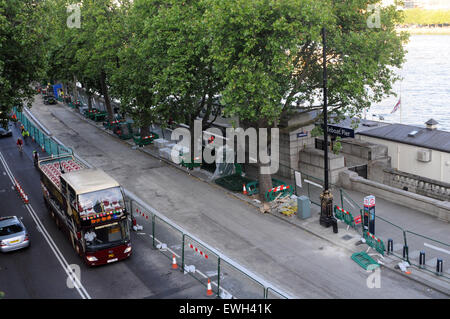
(431, 206)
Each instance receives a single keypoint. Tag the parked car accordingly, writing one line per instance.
(49, 99)
(5, 132)
(13, 234)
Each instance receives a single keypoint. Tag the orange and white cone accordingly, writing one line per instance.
(244, 189)
(174, 262)
(209, 292)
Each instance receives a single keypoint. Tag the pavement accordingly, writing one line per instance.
(299, 257)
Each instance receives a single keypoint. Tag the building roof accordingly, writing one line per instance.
(89, 180)
(358, 125)
(412, 135)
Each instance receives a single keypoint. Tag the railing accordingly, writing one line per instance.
(46, 142)
(196, 258)
(407, 244)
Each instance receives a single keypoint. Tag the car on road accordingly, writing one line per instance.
(13, 234)
(49, 99)
(5, 132)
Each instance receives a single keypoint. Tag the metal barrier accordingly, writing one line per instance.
(198, 259)
(386, 231)
(50, 146)
(433, 250)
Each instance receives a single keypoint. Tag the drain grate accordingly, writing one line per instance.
(347, 237)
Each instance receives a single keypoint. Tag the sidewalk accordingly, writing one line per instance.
(286, 254)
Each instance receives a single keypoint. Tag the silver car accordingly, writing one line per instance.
(13, 234)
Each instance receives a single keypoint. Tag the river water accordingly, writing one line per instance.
(425, 88)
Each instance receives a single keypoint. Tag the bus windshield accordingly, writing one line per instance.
(106, 236)
(101, 201)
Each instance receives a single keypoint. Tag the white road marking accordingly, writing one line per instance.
(437, 248)
(58, 254)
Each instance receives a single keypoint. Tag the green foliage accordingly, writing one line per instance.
(20, 53)
(337, 146)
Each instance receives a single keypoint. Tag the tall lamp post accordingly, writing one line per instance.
(326, 198)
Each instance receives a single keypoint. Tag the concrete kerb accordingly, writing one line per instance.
(165, 219)
(256, 206)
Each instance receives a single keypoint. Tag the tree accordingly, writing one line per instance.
(98, 41)
(269, 55)
(187, 81)
(20, 53)
(133, 81)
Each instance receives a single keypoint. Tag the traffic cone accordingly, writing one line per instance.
(244, 189)
(209, 292)
(174, 262)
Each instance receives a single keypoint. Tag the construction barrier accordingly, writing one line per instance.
(346, 217)
(279, 191)
(364, 260)
(374, 242)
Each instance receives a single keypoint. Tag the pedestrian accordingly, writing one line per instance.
(35, 158)
(25, 134)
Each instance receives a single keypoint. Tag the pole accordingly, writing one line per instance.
(325, 108)
(326, 198)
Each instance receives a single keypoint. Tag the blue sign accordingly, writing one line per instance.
(302, 134)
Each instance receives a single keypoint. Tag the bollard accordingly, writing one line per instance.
(405, 252)
(335, 226)
(390, 247)
(439, 267)
(422, 259)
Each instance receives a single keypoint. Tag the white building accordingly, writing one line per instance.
(422, 151)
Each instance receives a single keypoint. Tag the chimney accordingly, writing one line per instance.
(431, 124)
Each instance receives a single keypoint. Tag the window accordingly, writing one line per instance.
(102, 237)
(10, 229)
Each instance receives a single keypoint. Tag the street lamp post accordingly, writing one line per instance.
(326, 198)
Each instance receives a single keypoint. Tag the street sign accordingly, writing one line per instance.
(340, 131)
(302, 134)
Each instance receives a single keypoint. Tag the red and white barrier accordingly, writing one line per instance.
(198, 251)
(279, 188)
(21, 192)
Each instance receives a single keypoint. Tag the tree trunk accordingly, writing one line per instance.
(106, 96)
(265, 181)
(89, 102)
(75, 89)
(145, 131)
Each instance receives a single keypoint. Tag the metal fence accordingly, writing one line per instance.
(385, 229)
(199, 260)
(47, 143)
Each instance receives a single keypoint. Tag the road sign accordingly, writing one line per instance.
(369, 213)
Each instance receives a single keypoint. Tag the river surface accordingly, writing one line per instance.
(425, 88)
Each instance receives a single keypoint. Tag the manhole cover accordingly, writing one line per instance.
(347, 237)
